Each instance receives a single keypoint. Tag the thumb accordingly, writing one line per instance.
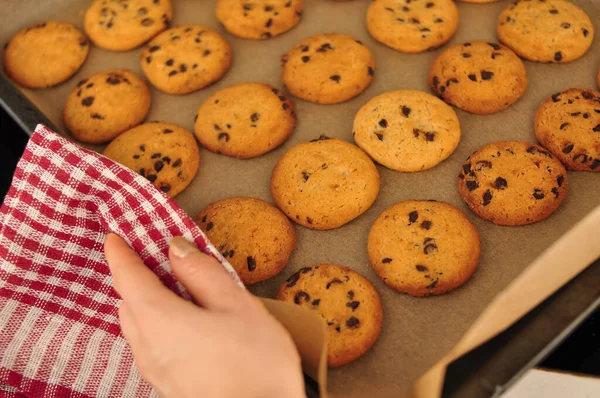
(205, 279)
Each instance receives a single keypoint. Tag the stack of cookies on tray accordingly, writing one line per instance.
(417, 247)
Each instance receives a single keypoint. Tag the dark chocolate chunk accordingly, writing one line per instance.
(432, 284)
(370, 71)
(158, 165)
(142, 148)
(353, 304)
(386, 260)
(425, 30)
(383, 123)
(177, 163)
(143, 172)
(87, 101)
(414, 20)
(198, 40)
(405, 9)
(466, 55)
(113, 80)
(182, 68)
(282, 98)
(538, 193)
(426, 224)
(557, 56)
(597, 128)
(413, 216)
(483, 164)
(560, 180)
(156, 155)
(316, 302)
(442, 89)
(268, 8)
(467, 168)
(305, 58)
(288, 4)
(581, 157)
(562, 126)
(472, 77)
(166, 159)
(82, 82)
(165, 187)
(153, 49)
(452, 80)
(495, 54)
(565, 25)
(467, 45)
(595, 164)
(148, 22)
(285, 106)
(553, 11)
(587, 95)
(486, 75)
(430, 248)
(173, 73)
(555, 192)
(487, 197)
(575, 114)
(568, 148)
(500, 183)
(209, 226)
(223, 137)
(494, 46)
(338, 329)
(429, 5)
(136, 156)
(332, 282)
(309, 220)
(472, 185)
(269, 23)
(304, 48)
(421, 268)
(438, 20)
(406, 110)
(379, 136)
(291, 281)
(429, 136)
(586, 115)
(585, 32)
(97, 116)
(305, 176)
(335, 78)
(206, 53)
(151, 177)
(389, 9)
(350, 294)
(352, 322)
(254, 117)
(90, 85)
(301, 296)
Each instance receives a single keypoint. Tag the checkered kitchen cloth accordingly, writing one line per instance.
(59, 328)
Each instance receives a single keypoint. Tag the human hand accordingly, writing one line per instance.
(229, 347)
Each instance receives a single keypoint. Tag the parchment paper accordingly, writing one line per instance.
(417, 332)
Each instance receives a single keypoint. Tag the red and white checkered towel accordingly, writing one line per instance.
(59, 328)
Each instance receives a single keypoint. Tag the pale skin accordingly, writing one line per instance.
(225, 346)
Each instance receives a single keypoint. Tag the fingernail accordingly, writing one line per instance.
(181, 247)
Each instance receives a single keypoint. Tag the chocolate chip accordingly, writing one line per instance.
(167, 160)
(223, 137)
(500, 183)
(429, 136)
(305, 58)
(487, 197)
(432, 284)
(406, 110)
(555, 192)
(436, 82)
(175, 38)
(209, 226)
(87, 101)
(301, 296)
(269, 23)
(383, 123)
(82, 82)
(565, 25)
(165, 187)
(254, 117)
(467, 45)
(182, 68)
(97, 116)
(153, 49)
(595, 164)
(316, 302)
(425, 30)
(442, 89)
(560, 180)
(333, 281)
(575, 114)
(305, 176)
(389, 9)
(413, 216)
(142, 148)
(136, 156)
(430, 248)
(206, 53)
(586, 115)
(553, 11)
(486, 75)
(452, 80)
(309, 220)
(151, 177)
(158, 165)
(204, 218)
(335, 78)
(421, 268)
(370, 71)
(338, 329)
(405, 9)
(426, 225)
(379, 136)
(414, 20)
(472, 185)
(557, 56)
(555, 97)
(538, 194)
(148, 22)
(494, 46)
(472, 77)
(483, 164)
(350, 294)
(429, 5)
(494, 55)
(173, 73)
(197, 40)
(467, 168)
(587, 95)
(438, 20)
(596, 129)
(324, 47)
(352, 322)
(582, 156)
(282, 98)
(285, 106)
(353, 304)
(386, 260)
(291, 281)
(568, 148)
(156, 155)
(466, 55)
(585, 32)
(562, 126)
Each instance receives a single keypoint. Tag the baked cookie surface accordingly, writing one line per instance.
(325, 183)
(348, 303)
(407, 130)
(45, 55)
(253, 235)
(513, 183)
(166, 154)
(423, 248)
(245, 120)
(478, 77)
(104, 105)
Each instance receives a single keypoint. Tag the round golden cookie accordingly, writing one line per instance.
(348, 303)
(254, 236)
(259, 19)
(423, 248)
(512, 183)
(478, 77)
(568, 124)
(122, 25)
(327, 68)
(245, 120)
(407, 130)
(185, 59)
(325, 183)
(45, 55)
(106, 104)
(166, 154)
(412, 27)
(548, 31)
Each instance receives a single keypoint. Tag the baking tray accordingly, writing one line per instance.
(416, 332)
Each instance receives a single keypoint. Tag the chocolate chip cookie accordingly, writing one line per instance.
(122, 25)
(548, 31)
(412, 27)
(254, 236)
(347, 301)
(46, 54)
(407, 130)
(513, 183)
(245, 120)
(166, 154)
(325, 183)
(327, 68)
(423, 248)
(185, 59)
(106, 104)
(259, 19)
(478, 77)
(568, 124)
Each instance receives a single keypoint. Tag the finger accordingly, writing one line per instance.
(134, 282)
(128, 327)
(206, 280)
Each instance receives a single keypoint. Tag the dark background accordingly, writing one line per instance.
(580, 353)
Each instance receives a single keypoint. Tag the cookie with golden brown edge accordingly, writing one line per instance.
(166, 154)
(254, 236)
(513, 183)
(478, 77)
(348, 303)
(46, 54)
(325, 183)
(568, 124)
(104, 105)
